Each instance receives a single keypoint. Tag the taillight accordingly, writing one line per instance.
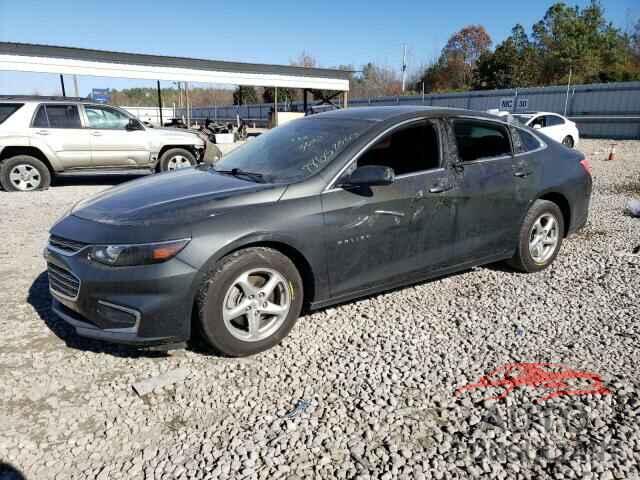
(586, 165)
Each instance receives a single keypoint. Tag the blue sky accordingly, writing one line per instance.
(335, 32)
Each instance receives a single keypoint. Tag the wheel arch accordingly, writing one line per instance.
(293, 254)
(564, 205)
(9, 152)
(166, 148)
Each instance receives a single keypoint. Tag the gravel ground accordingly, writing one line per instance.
(363, 390)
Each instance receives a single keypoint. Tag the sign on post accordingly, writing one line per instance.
(100, 95)
(507, 103)
(523, 104)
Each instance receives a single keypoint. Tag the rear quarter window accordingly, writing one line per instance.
(528, 141)
(8, 109)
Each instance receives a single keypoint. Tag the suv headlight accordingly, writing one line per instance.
(140, 254)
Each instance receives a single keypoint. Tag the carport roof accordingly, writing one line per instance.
(80, 61)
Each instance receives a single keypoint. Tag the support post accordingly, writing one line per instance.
(160, 103)
(305, 102)
(345, 99)
(275, 107)
(186, 96)
(75, 86)
(64, 93)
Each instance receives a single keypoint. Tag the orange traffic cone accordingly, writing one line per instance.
(612, 153)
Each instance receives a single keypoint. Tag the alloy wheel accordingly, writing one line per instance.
(543, 238)
(178, 162)
(25, 177)
(256, 304)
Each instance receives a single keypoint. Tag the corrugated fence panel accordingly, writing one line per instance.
(610, 110)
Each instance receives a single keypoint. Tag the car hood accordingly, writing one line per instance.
(177, 136)
(181, 197)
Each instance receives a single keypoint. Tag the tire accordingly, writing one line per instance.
(24, 173)
(175, 159)
(568, 141)
(224, 306)
(530, 258)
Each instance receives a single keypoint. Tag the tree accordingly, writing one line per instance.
(582, 41)
(375, 81)
(512, 64)
(284, 94)
(454, 69)
(244, 95)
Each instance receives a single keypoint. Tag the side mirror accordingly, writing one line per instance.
(133, 125)
(371, 175)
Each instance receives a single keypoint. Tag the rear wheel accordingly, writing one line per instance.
(176, 159)
(540, 237)
(250, 302)
(568, 141)
(24, 173)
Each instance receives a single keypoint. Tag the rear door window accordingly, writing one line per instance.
(57, 116)
(477, 140)
(8, 109)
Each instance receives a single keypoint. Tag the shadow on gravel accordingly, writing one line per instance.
(106, 180)
(9, 472)
(40, 299)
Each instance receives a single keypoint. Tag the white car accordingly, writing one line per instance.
(554, 126)
(45, 137)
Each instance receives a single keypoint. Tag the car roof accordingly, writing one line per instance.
(380, 114)
(39, 98)
(538, 113)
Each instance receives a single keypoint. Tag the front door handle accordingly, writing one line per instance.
(521, 174)
(440, 188)
(96, 134)
(42, 132)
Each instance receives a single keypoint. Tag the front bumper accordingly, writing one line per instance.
(142, 305)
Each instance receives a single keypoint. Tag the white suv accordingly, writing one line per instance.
(42, 137)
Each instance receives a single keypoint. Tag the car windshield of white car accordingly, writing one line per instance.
(523, 119)
(296, 150)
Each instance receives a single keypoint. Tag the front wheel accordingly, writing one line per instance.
(250, 302)
(176, 159)
(540, 237)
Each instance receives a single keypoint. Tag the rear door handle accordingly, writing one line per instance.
(522, 174)
(42, 132)
(96, 134)
(440, 188)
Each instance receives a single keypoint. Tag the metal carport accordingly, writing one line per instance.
(23, 57)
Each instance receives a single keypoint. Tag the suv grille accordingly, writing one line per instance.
(62, 281)
(65, 245)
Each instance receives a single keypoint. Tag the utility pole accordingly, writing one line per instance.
(404, 65)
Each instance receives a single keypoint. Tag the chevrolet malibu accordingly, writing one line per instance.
(320, 211)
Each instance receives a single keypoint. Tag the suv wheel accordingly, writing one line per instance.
(176, 159)
(540, 237)
(24, 173)
(250, 302)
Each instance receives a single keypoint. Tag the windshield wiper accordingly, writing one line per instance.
(238, 172)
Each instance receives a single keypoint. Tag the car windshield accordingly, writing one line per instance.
(522, 118)
(294, 151)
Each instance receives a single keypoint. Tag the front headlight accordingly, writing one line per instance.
(140, 254)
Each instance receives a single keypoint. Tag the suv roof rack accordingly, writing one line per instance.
(46, 98)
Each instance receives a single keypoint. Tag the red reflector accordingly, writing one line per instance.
(586, 165)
